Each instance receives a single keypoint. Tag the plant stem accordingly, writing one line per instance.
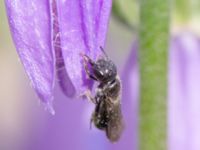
(153, 57)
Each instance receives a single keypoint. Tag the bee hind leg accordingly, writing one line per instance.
(91, 121)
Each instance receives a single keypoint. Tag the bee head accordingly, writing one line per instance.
(104, 70)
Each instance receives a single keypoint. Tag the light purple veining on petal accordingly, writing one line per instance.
(184, 99)
(30, 26)
(78, 28)
(63, 78)
(62, 75)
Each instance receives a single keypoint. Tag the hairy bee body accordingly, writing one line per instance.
(100, 116)
(107, 115)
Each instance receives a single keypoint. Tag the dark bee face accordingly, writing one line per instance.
(104, 70)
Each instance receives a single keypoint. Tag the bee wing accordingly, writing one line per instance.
(115, 124)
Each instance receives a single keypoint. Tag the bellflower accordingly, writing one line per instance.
(49, 36)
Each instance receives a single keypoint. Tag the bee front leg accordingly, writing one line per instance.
(89, 97)
(86, 61)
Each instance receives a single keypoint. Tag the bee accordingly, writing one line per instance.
(107, 115)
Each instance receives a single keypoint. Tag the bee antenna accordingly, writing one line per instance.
(103, 51)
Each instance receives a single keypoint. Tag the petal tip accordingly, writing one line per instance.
(49, 108)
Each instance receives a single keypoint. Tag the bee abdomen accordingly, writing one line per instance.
(100, 115)
(101, 123)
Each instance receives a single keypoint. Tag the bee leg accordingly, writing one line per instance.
(89, 97)
(92, 77)
(101, 48)
(109, 101)
(88, 72)
(91, 120)
(88, 60)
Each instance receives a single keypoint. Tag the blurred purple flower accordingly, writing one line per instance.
(184, 95)
(49, 36)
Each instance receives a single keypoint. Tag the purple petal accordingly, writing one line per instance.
(83, 26)
(184, 95)
(63, 77)
(30, 25)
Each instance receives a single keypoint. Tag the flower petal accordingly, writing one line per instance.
(30, 25)
(184, 95)
(63, 77)
(83, 27)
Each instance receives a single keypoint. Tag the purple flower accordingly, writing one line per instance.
(49, 37)
(184, 95)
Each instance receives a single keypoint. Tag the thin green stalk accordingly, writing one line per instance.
(153, 38)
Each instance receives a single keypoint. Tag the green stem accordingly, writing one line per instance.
(153, 37)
